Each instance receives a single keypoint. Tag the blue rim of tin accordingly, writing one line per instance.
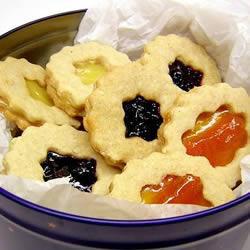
(108, 222)
(77, 218)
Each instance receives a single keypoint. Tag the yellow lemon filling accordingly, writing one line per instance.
(38, 93)
(89, 72)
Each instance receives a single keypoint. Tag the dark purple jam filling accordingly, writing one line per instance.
(82, 172)
(142, 118)
(185, 77)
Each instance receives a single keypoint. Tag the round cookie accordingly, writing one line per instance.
(68, 84)
(187, 63)
(193, 123)
(151, 170)
(125, 112)
(27, 157)
(19, 80)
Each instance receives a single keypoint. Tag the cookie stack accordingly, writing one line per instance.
(161, 129)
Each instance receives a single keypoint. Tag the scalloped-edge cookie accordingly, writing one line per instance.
(190, 106)
(186, 62)
(27, 152)
(105, 111)
(64, 84)
(151, 170)
(16, 102)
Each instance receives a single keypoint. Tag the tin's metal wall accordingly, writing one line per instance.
(38, 41)
(14, 237)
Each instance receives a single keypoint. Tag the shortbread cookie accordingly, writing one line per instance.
(23, 96)
(173, 178)
(125, 112)
(73, 71)
(187, 63)
(214, 122)
(51, 151)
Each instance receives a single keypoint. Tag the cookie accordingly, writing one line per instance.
(187, 63)
(23, 96)
(73, 71)
(214, 122)
(51, 151)
(125, 113)
(173, 178)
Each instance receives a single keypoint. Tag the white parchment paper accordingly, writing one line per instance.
(221, 26)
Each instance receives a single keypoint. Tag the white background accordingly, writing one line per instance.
(14, 13)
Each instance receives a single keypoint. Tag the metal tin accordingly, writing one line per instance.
(27, 226)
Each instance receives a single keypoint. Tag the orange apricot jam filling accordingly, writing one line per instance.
(217, 136)
(186, 189)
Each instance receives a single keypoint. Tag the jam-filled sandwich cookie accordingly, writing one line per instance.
(213, 122)
(187, 63)
(23, 95)
(74, 70)
(51, 151)
(173, 178)
(124, 114)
